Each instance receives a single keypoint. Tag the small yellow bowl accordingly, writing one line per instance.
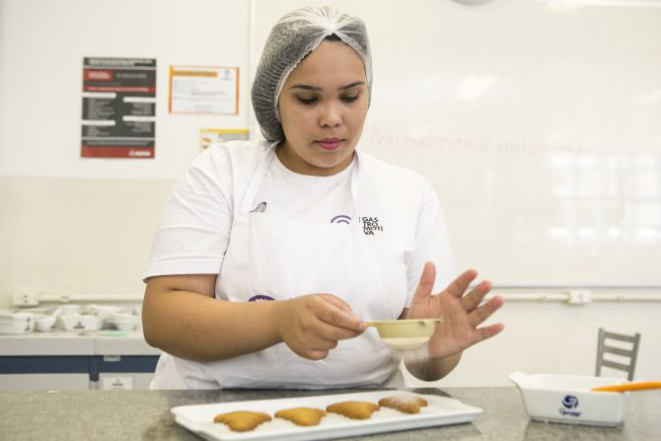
(405, 334)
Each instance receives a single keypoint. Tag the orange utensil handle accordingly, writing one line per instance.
(629, 386)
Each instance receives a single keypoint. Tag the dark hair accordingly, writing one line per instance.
(333, 37)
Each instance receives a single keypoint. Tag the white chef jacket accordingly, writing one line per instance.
(393, 214)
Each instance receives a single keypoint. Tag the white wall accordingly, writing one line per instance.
(581, 153)
(76, 236)
(555, 338)
(83, 227)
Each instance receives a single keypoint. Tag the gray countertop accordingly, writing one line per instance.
(145, 415)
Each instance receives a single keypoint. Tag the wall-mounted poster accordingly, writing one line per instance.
(196, 89)
(208, 137)
(119, 108)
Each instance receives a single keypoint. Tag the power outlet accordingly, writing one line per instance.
(23, 299)
(579, 297)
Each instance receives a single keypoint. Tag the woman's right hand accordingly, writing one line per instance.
(311, 325)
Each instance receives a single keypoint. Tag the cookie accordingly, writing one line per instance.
(357, 410)
(302, 416)
(242, 420)
(403, 403)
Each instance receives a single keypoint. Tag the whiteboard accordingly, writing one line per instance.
(538, 123)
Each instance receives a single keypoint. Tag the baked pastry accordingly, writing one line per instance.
(302, 416)
(403, 403)
(242, 420)
(357, 410)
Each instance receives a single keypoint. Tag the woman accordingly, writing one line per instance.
(270, 256)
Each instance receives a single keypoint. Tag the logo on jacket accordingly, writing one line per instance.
(370, 225)
(259, 298)
(341, 219)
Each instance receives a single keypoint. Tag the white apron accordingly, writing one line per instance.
(275, 257)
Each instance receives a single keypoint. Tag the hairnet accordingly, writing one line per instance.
(292, 38)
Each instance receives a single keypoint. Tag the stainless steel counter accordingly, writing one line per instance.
(145, 415)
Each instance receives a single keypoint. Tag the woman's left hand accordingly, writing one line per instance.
(460, 314)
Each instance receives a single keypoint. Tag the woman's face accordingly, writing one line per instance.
(322, 107)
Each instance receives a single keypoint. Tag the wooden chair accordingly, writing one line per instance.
(603, 348)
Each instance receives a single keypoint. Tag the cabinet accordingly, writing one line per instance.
(68, 360)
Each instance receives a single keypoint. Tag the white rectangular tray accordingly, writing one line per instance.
(440, 411)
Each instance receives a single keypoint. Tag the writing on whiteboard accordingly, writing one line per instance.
(378, 138)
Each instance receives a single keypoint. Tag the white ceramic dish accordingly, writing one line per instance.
(45, 323)
(125, 326)
(16, 327)
(8, 316)
(104, 311)
(440, 411)
(124, 321)
(81, 322)
(123, 317)
(568, 399)
(16, 322)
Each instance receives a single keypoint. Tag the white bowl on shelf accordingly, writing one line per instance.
(16, 327)
(569, 399)
(16, 322)
(126, 326)
(104, 311)
(81, 322)
(124, 321)
(45, 323)
(9, 316)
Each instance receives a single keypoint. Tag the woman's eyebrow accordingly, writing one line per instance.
(319, 89)
(349, 86)
(306, 87)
